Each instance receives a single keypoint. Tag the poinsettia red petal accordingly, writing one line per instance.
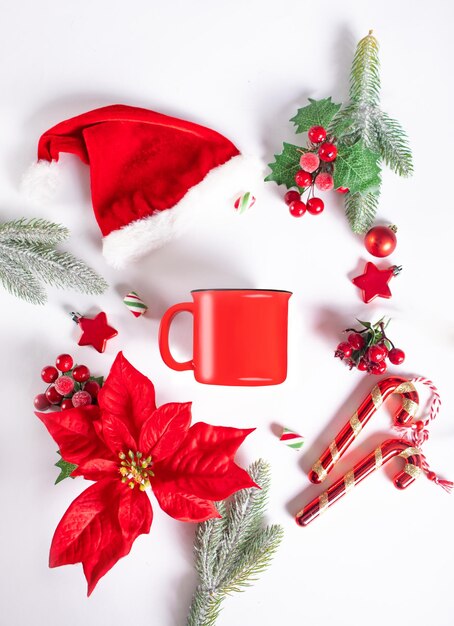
(165, 429)
(75, 434)
(97, 469)
(128, 395)
(184, 507)
(203, 465)
(100, 527)
(116, 435)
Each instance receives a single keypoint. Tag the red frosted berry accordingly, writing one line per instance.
(324, 181)
(363, 365)
(378, 368)
(376, 354)
(92, 388)
(66, 404)
(316, 134)
(81, 398)
(297, 208)
(396, 356)
(309, 162)
(41, 402)
(356, 340)
(315, 206)
(327, 152)
(64, 362)
(344, 349)
(49, 374)
(53, 396)
(64, 385)
(81, 373)
(303, 179)
(342, 190)
(291, 196)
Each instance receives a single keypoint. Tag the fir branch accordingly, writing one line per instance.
(393, 145)
(27, 253)
(33, 231)
(360, 210)
(232, 551)
(365, 73)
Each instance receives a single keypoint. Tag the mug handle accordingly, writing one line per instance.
(164, 328)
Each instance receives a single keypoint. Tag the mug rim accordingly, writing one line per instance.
(241, 289)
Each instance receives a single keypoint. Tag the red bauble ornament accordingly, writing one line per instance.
(374, 282)
(49, 374)
(327, 152)
(315, 206)
(81, 373)
(381, 241)
(41, 402)
(291, 196)
(396, 356)
(95, 332)
(297, 208)
(316, 134)
(303, 179)
(64, 362)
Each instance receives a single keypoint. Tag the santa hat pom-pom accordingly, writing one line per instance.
(40, 182)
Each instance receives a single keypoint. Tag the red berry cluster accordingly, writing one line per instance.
(68, 387)
(316, 171)
(368, 348)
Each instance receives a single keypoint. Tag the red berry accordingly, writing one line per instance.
(378, 368)
(92, 388)
(342, 190)
(396, 356)
(309, 162)
(66, 404)
(315, 206)
(363, 365)
(383, 346)
(81, 373)
(327, 151)
(81, 398)
(324, 181)
(356, 340)
(380, 241)
(53, 396)
(316, 134)
(297, 208)
(291, 196)
(376, 354)
(345, 348)
(64, 362)
(64, 385)
(41, 402)
(49, 374)
(303, 179)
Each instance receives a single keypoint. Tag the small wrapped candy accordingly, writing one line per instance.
(244, 202)
(135, 304)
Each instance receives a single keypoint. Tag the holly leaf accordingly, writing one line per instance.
(98, 379)
(357, 168)
(316, 113)
(285, 166)
(66, 469)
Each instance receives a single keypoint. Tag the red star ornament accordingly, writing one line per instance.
(95, 331)
(374, 282)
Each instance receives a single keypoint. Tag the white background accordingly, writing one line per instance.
(379, 556)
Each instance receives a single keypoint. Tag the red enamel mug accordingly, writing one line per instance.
(240, 336)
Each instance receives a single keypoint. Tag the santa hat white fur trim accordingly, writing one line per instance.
(127, 244)
(40, 181)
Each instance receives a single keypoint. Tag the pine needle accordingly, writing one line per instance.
(232, 551)
(33, 231)
(365, 72)
(360, 210)
(393, 145)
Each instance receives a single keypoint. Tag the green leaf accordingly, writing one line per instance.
(286, 165)
(357, 168)
(316, 113)
(98, 379)
(365, 324)
(360, 210)
(66, 469)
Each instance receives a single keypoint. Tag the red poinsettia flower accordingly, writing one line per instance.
(126, 444)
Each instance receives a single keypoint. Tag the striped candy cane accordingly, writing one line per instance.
(386, 451)
(351, 430)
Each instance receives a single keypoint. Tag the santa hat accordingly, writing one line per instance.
(150, 173)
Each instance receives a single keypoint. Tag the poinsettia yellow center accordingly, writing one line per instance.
(135, 469)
